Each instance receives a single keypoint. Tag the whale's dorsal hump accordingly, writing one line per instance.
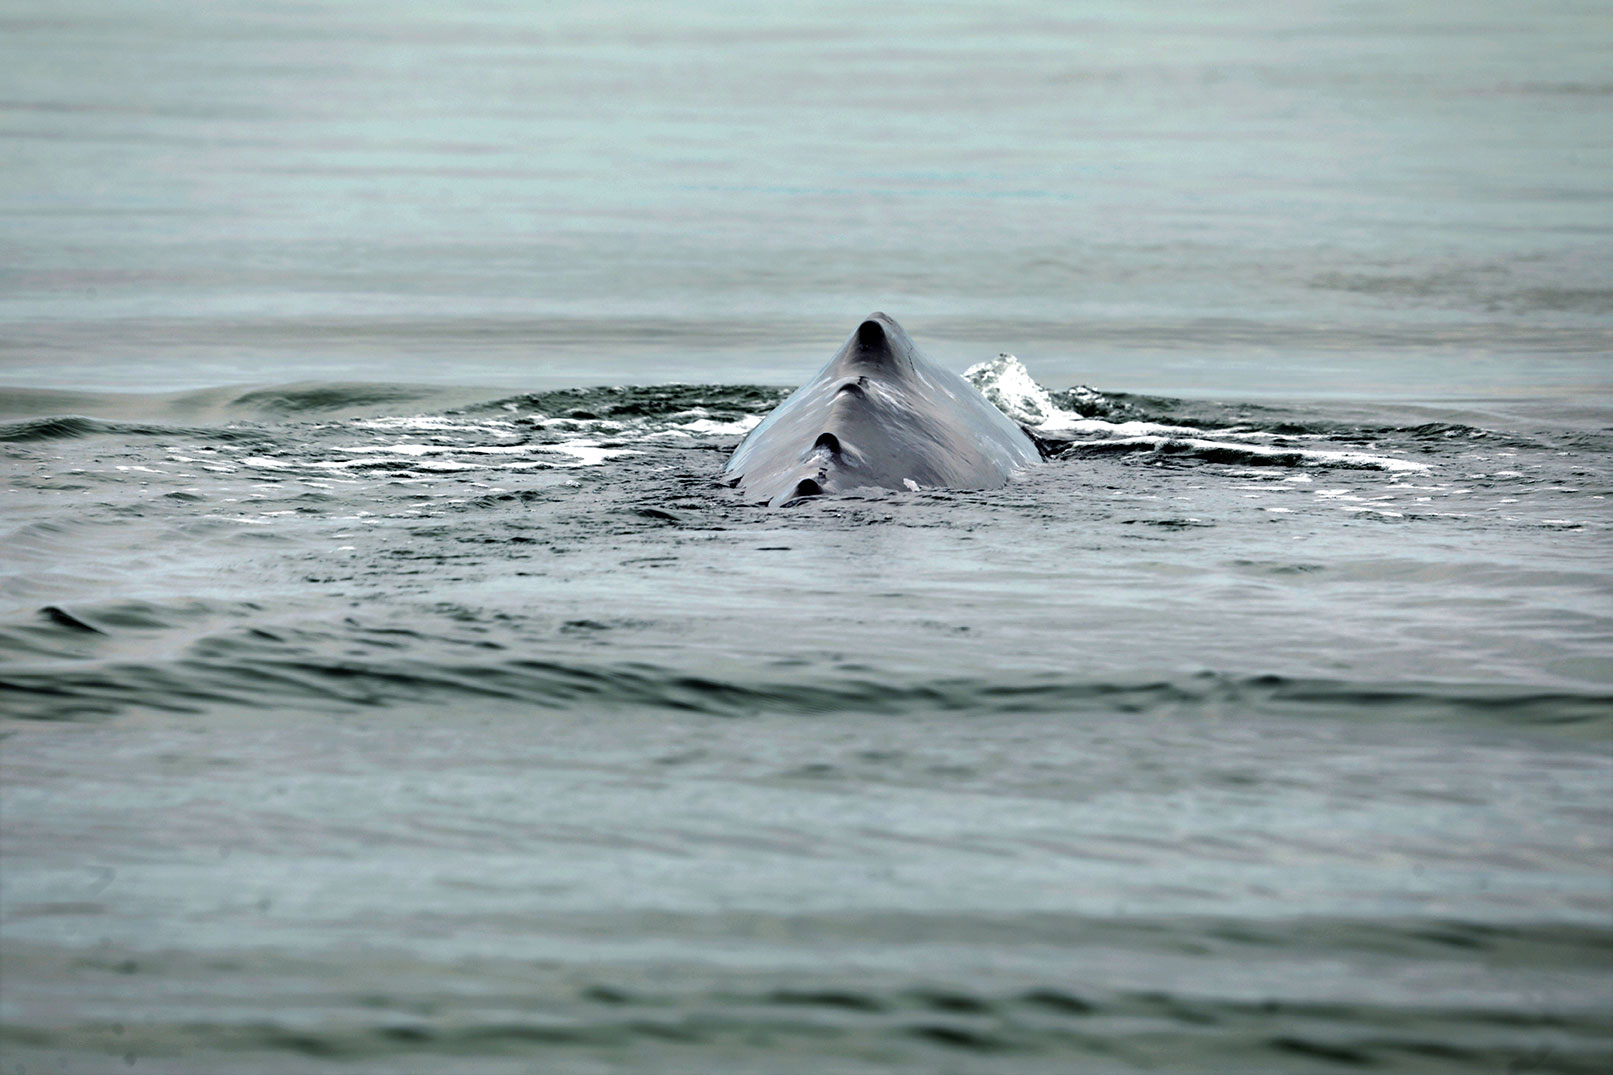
(880, 415)
(878, 343)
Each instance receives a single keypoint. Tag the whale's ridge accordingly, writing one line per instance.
(879, 415)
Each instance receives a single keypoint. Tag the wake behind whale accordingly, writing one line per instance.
(880, 415)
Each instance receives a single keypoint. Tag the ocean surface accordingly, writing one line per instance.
(388, 684)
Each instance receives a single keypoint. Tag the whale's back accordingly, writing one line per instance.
(879, 415)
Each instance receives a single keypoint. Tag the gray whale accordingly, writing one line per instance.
(880, 415)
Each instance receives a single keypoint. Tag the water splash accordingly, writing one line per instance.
(1010, 387)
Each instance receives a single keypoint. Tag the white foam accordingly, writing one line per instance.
(713, 427)
(432, 423)
(584, 452)
(438, 449)
(445, 466)
(709, 427)
(1009, 386)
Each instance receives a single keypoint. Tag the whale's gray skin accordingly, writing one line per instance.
(880, 415)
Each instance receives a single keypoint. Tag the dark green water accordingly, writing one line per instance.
(378, 693)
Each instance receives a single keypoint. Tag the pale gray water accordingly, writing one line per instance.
(1394, 198)
(381, 694)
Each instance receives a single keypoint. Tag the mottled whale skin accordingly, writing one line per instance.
(880, 415)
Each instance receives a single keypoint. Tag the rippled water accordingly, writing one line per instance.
(395, 732)
(380, 690)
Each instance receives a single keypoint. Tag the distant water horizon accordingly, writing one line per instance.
(1259, 199)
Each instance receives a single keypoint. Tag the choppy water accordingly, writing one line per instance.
(379, 692)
